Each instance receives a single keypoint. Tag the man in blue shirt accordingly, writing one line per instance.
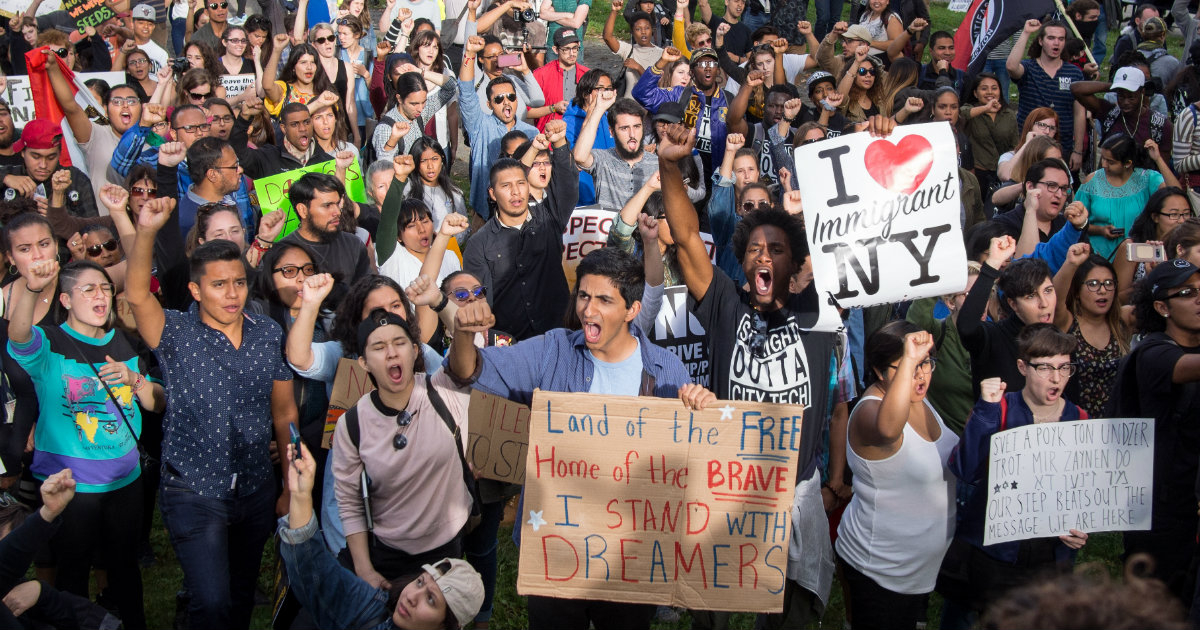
(608, 355)
(1044, 80)
(225, 377)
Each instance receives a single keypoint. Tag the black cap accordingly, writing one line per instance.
(669, 112)
(1168, 275)
(375, 321)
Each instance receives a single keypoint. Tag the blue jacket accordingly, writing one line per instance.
(969, 462)
(723, 219)
(698, 107)
(574, 118)
(486, 131)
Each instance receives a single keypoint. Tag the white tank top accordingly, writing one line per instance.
(901, 519)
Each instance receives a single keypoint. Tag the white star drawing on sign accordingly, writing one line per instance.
(727, 412)
(535, 519)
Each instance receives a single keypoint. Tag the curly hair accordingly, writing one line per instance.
(791, 225)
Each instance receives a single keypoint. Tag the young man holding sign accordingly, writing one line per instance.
(608, 356)
(762, 351)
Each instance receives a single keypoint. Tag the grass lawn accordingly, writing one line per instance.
(163, 580)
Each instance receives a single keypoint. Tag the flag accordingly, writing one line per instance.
(45, 105)
(987, 24)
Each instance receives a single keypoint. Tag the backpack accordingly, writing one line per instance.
(369, 154)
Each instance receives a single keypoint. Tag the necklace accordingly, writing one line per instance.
(1137, 122)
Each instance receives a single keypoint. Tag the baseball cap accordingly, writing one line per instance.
(700, 53)
(1129, 78)
(670, 112)
(39, 134)
(857, 31)
(376, 321)
(143, 12)
(564, 36)
(818, 77)
(461, 586)
(1168, 275)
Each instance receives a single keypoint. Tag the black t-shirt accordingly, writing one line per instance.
(345, 257)
(737, 40)
(793, 366)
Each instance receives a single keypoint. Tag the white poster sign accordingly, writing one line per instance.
(1091, 475)
(587, 229)
(19, 95)
(235, 84)
(959, 6)
(883, 216)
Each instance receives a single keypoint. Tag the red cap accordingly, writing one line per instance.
(39, 134)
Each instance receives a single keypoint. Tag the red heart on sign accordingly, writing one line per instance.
(899, 167)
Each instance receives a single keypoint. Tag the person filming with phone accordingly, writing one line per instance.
(1116, 194)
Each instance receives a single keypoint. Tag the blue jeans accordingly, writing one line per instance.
(754, 22)
(828, 14)
(1100, 39)
(480, 548)
(997, 67)
(219, 543)
(178, 30)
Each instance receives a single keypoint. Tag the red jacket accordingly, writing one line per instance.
(550, 78)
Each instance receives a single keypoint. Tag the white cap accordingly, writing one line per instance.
(1129, 78)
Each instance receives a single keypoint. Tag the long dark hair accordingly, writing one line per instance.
(885, 346)
(349, 312)
(1116, 327)
(265, 284)
(321, 81)
(422, 38)
(587, 84)
(259, 22)
(443, 180)
(1144, 228)
(211, 63)
(979, 78)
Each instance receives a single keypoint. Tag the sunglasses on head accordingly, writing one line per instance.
(110, 245)
(499, 98)
(862, 72)
(325, 40)
(463, 294)
(138, 191)
(218, 5)
(290, 271)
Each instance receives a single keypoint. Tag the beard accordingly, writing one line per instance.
(626, 154)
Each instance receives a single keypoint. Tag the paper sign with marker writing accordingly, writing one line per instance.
(235, 84)
(19, 94)
(1091, 475)
(88, 12)
(272, 191)
(883, 217)
(637, 499)
(588, 228)
(499, 437)
(350, 382)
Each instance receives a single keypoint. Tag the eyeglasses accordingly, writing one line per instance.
(402, 421)
(218, 5)
(862, 72)
(90, 291)
(925, 367)
(324, 40)
(462, 294)
(1175, 216)
(542, 164)
(748, 206)
(221, 119)
(758, 339)
(120, 101)
(199, 96)
(1094, 285)
(500, 98)
(568, 49)
(201, 128)
(138, 191)
(137, 62)
(236, 40)
(1044, 126)
(94, 250)
(1184, 293)
(1044, 370)
(1053, 187)
(290, 271)
(236, 165)
(159, 127)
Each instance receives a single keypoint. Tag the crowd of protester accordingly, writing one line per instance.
(172, 341)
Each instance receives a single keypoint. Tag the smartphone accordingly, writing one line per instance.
(295, 439)
(1119, 233)
(509, 60)
(1145, 252)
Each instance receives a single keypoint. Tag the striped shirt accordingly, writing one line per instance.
(1039, 89)
(1186, 141)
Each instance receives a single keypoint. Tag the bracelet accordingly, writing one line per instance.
(441, 305)
(258, 246)
(137, 384)
(1076, 152)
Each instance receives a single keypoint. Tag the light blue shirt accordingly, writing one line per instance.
(623, 378)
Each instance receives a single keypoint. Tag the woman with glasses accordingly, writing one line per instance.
(898, 524)
(323, 39)
(91, 387)
(862, 84)
(1037, 149)
(1088, 310)
(1167, 209)
(220, 115)
(1116, 194)
(233, 58)
(349, 32)
(975, 574)
(1042, 121)
(137, 72)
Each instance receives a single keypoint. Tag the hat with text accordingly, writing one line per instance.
(1168, 275)
(818, 77)
(461, 586)
(39, 134)
(564, 36)
(669, 112)
(703, 53)
(1129, 78)
(857, 31)
(143, 12)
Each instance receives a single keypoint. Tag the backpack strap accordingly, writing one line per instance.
(351, 420)
(439, 405)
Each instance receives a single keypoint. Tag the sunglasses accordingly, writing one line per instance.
(202, 128)
(748, 206)
(110, 245)
(862, 72)
(148, 193)
(499, 98)
(61, 52)
(290, 271)
(218, 5)
(325, 40)
(462, 294)
(402, 421)
(199, 96)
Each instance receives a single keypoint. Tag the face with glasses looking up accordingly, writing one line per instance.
(1093, 291)
(290, 267)
(124, 108)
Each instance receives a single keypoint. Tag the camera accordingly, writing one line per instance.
(524, 15)
(179, 65)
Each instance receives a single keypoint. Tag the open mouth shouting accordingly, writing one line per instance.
(764, 281)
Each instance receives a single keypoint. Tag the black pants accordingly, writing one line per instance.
(394, 563)
(105, 526)
(552, 613)
(873, 607)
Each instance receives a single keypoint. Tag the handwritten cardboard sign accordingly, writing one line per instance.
(588, 228)
(235, 84)
(273, 191)
(499, 437)
(19, 95)
(350, 383)
(637, 499)
(88, 12)
(677, 329)
(1090, 475)
(892, 200)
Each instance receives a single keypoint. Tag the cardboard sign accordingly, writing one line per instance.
(235, 84)
(350, 383)
(10, 8)
(273, 191)
(1090, 475)
(892, 200)
(637, 499)
(499, 437)
(677, 329)
(588, 228)
(19, 95)
(88, 12)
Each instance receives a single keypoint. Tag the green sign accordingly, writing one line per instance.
(88, 13)
(273, 191)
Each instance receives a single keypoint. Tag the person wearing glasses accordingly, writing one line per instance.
(559, 78)
(1043, 222)
(137, 71)
(1166, 210)
(218, 22)
(983, 573)
(91, 386)
(1088, 311)
(233, 58)
(1117, 192)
